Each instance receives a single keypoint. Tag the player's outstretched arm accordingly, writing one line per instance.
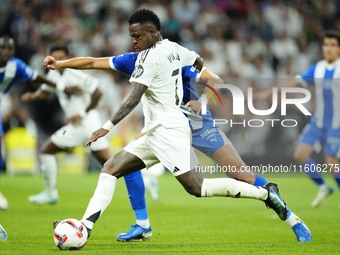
(265, 94)
(38, 95)
(41, 79)
(129, 103)
(78, 63)
(210, 79)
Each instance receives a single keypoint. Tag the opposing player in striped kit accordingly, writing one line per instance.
(323, 130)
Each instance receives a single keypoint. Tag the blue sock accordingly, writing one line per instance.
(337, 178)
(260, 181)
(314, 175)
(136, 189)
(289, 213)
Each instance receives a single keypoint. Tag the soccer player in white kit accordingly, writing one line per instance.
(82, 120)
(156, 81)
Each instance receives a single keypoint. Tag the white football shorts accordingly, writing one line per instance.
(154, 171)
(79, 133)
(170, 146)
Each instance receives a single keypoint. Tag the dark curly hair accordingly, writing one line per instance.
(332, 34)
(62, 47)
(144, 16)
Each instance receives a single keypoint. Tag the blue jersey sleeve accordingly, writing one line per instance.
(24, 72)
(124, 63)
(189, 72)
(308, 76)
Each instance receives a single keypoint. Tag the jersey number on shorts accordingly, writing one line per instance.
(174, 73)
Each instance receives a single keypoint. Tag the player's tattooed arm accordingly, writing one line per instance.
(129, 103)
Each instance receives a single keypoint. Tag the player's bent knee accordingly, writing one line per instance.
(109, 168)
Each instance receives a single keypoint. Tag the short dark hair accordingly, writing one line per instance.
(144, 16)
(8, 39)
(54, 48)
(332, 34)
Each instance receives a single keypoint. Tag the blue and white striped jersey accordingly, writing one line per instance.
(326, 78)
(15, 70)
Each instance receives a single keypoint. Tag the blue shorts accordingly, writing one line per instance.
(318, 137)
(208, 139)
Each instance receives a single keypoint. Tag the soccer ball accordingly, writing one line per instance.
(70, 234)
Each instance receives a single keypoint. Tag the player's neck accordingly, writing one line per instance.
(330, 62)
(157, 39)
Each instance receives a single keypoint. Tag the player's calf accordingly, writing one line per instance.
(192, 182)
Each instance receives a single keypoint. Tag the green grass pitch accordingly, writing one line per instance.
(181, 224)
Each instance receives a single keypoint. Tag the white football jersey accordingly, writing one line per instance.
(160, 68)
(76, 103)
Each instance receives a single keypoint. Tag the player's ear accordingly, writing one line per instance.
(152, 32)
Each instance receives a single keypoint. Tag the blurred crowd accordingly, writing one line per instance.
(273, 36)
(247, 39)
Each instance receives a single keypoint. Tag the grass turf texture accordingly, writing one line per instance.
(181, 224)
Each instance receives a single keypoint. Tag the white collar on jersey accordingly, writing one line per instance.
(2, 69)
(333, 65)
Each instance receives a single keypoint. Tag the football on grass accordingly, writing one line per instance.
(70, 234)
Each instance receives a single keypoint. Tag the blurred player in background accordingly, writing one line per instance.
(12, 70)
(81, 116)
(145, 30)
(324, 126)
(150, 177)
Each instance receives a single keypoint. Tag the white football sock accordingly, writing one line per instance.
(292, 220)
(101, 199)
(48, 166)
(232, 188)
(143, 223)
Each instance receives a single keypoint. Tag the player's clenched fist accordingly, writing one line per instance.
(95, 135)
(51, 63)
(195, 106)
